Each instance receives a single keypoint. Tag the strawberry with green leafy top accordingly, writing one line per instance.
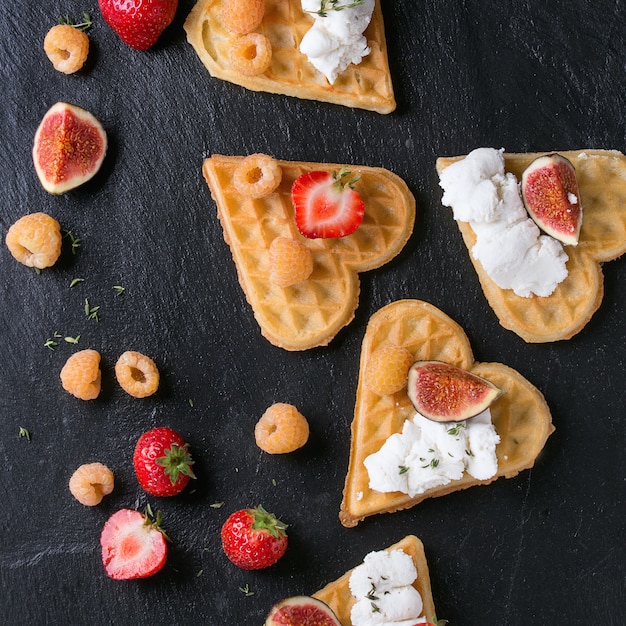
(326, 204)
(139, 23)
(133, 546)
(162, 462)
(253, 538)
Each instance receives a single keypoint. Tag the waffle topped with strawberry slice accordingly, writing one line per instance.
(310, 312)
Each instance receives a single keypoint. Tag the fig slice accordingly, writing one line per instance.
(301, 611)
(445, 393)
(69, 147)
(550, 194)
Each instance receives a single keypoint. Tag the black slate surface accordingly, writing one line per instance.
(547, 546)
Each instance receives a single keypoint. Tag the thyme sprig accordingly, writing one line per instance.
(333, 5)
(50, 343)
(91, 311)
(246, 591)
(73, 239)
(454, 430)
(84, 25)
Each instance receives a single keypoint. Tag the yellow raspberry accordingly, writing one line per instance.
(35, 240)
(251, 54)
(81, 375)
(282, 428)
(257, 175)
(387, 370)
(91, 482)
(137, 374)
(242, 16)
(66, 47)
(291, 262)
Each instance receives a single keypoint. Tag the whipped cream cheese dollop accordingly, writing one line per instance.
(336, 39)
(509, 245)
(383, 589)
(429, 454)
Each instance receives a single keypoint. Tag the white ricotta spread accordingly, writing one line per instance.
(383, 589)
(509, 245)
(336, 39)
(429, 454)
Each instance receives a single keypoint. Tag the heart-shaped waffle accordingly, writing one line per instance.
(310, 313)
(366, 85)
(521, 415)
(338, 597)
(602, 185)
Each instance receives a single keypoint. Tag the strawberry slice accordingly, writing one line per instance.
(326, 204)
(133, 546)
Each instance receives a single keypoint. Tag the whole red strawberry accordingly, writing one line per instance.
(133, 546)
(139, 23)
(326, 204)
(162, 462)
(254, 538)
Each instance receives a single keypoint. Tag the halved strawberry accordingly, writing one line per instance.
(326, 204)
(133, 546)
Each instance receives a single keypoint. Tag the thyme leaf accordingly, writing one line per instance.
(24, 433)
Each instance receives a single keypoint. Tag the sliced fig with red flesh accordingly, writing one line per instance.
(69, 147)
(445, 393)
(550, 194)
(301, 611)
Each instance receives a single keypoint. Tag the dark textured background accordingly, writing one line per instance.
(547, 546)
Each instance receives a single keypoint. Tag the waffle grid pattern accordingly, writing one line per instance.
(521, 416)
(312, 312)
(367, 85)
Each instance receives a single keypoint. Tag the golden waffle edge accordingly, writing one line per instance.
(337, 593)
(521, 416)
(602, 184)
(310, 313)
(366, 85)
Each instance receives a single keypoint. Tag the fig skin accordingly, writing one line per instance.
(301, 611)
(549, 186)
(69, 147)
(445, 393)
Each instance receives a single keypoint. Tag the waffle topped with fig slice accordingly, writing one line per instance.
(602, 185)
(521, 415)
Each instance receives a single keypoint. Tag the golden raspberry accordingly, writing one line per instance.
(291, 262)
(282, 428)
(67, 47)
(250, 54)
(81, 375)
(35, 240)
(387, 370)
(90, 483)
(257, 175)
(137, 374)
(242, 16)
